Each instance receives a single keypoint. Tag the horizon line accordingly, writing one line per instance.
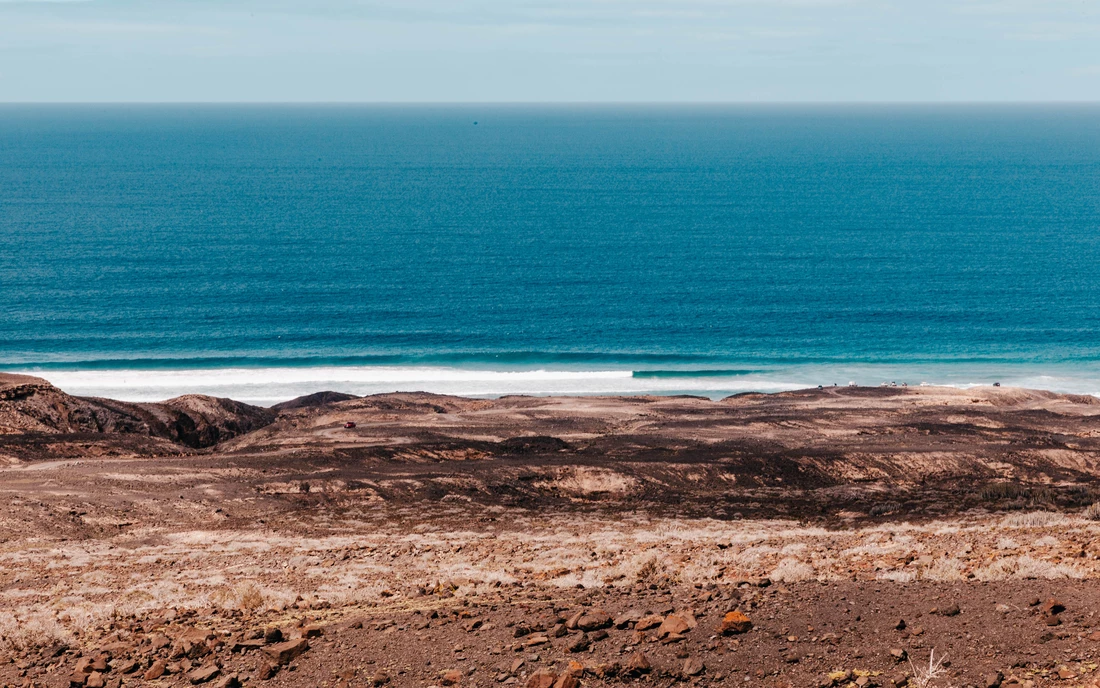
(557, 102)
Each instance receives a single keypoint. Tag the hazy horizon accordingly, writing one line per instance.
(549, 51)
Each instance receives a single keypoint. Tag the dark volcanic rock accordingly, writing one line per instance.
(313, 400)
(31, 406)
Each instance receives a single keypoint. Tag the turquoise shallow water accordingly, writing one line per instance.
(265, 251)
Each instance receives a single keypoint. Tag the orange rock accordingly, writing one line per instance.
(543, 678)
(734, 622)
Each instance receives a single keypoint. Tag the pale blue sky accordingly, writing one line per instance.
(550, 50)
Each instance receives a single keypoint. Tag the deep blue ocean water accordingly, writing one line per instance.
(266, 251)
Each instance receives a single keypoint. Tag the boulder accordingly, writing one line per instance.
(648, 622)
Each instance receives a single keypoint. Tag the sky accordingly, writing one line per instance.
(549, 50)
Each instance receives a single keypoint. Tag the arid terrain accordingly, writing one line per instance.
(826, 537)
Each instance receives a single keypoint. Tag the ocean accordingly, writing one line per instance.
(262, 252)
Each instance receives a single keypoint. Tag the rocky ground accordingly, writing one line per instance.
(835, 537)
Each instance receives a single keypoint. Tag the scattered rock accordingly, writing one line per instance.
(593, 620)
(282, 653)
(450, 677)
(649, 622)
(267, 671)
(693, 666)
(734, 623)
(567, 681)
(580, 643)
(678, 623)
(204, 673)
(543, 678)
(628, 619)
(637, 665)
(230, 681)
(1052, 606)
(155, 671)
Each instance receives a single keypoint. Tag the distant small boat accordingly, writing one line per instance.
(996, 384)
(349, 424)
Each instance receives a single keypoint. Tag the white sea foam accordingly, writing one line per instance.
(272, 385)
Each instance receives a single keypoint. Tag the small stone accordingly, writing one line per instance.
(593, 620)
(450, 677)
(580, 644)
(536, 639)
(230, 681)
(543, 678)
(1052, 620)
(649, 622)
(627, 619)
(95, 680)
(313, 631)
(735, 622)
(899, 655)
(267, 671)
(203, 674)
(380, 678)
(282, 653)
(951, 610)
(155, 671)
(993, 680)
(559, 631)
(127, 667)
(637, 664)
(273, 635)
(678, 623)
(693, 666)
(900, 625)
(1052, 606)
(567, 681)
